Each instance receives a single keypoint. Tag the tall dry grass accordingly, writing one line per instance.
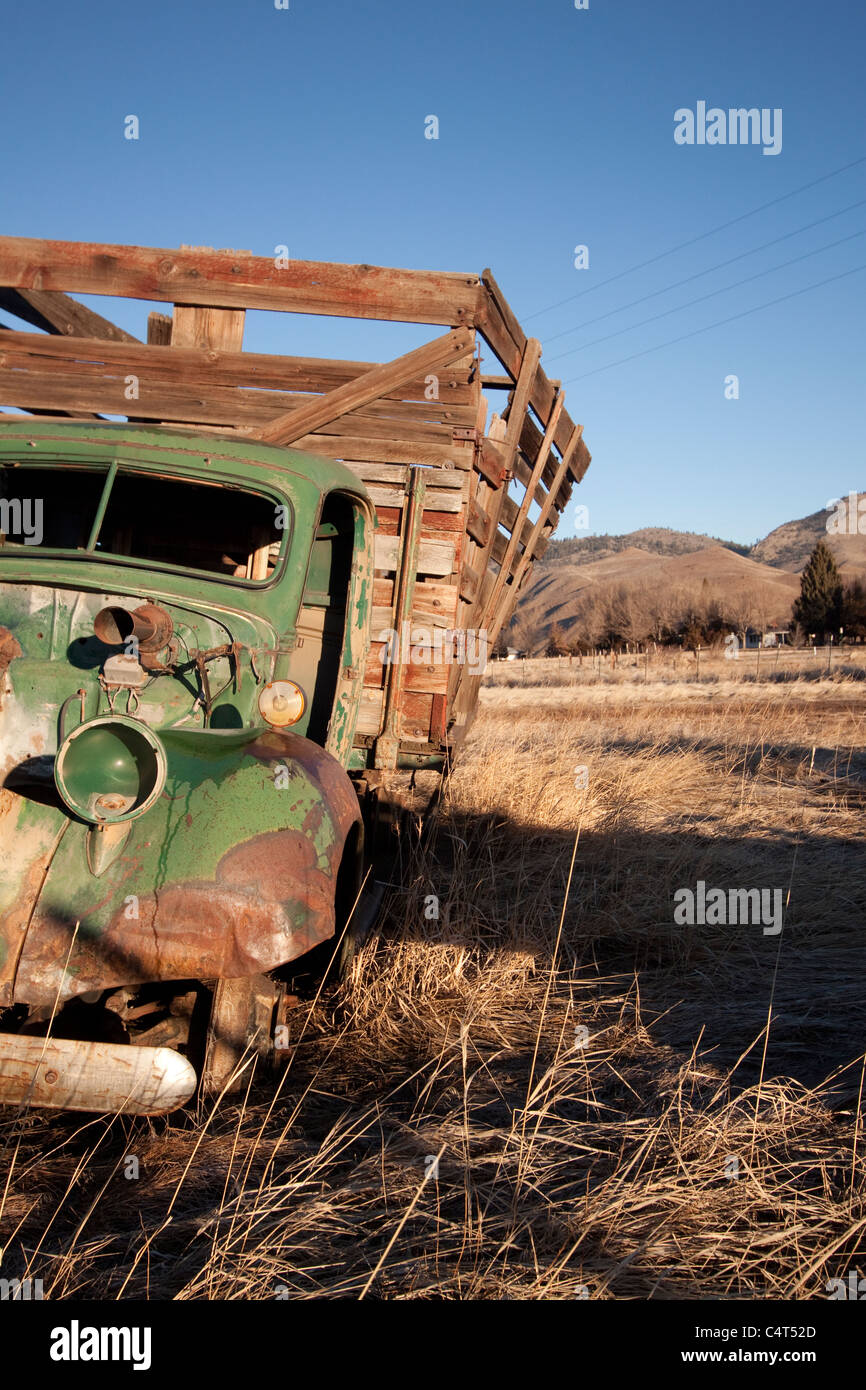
(535, 1085)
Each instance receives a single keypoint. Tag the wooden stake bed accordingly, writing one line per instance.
(493, 488)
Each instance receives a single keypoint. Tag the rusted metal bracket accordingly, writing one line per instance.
(490, 461)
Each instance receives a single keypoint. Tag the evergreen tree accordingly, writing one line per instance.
(819, 607)
(854, 612)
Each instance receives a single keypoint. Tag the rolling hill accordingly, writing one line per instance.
(660, 569)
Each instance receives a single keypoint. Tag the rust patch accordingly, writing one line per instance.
(270, 900)
(9, 650)
(269, 903)
(16, 918)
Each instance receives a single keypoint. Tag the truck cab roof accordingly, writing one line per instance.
(185, 448)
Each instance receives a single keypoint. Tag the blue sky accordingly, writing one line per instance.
(305, 127)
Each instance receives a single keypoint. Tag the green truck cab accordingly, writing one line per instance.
(183, 627)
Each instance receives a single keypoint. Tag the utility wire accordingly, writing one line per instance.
(700, 273)
(641, 323)
(719, 324)
(681, 246)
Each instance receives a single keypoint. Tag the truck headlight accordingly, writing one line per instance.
(110, 769)
(282, 703)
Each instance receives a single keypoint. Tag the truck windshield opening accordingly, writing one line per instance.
(120, 512)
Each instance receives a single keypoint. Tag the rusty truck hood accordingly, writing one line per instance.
(225, 875)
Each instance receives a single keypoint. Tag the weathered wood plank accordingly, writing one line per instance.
(240, 282)
(370, 708)
(516, 413)
(502, 332)
(223, 407)
(515, 524)
(57, 313)
(433, 523)
(440, 499)
(352, 450)
(203, 326)
(427, 677)
(159, 329)
(490, 462)
(542, 522)
(209, 369)
(369, 386)
(434, 557)
(396, 474)
(478, 523)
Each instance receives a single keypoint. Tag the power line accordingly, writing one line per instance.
(641, 323)
(719, 324)
(703, 235)
(700, 273)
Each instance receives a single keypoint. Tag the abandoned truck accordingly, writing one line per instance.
(234, 617)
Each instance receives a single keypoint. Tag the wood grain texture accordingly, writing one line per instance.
(368, 387)
(201, 276)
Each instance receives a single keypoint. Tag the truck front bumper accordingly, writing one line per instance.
(106, 1078)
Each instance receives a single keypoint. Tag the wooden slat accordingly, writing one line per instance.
(370, 712)
(397, 474)
(516, 524)
(440, 499)
(516, 412)
(541, 521)
(203, 326)
(57, 313)
(434, 557)
(433, 523)
(470, 584)
(378, 381)
(417, 716)
(501, 330)
(242, 282)
(581, 461)
(478, 523)
(207, 369)
(491, 462)
(429, 677)
(509, 319)
(159, 329)
(434, 604)
(223, 407)
(352, 450)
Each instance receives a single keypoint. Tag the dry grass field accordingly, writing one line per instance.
(549, 1090)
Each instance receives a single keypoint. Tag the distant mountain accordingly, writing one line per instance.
(564, 593)
(790, 545)
(656, 540)
(581, 577)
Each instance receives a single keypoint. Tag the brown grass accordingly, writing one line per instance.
(587, 1072)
